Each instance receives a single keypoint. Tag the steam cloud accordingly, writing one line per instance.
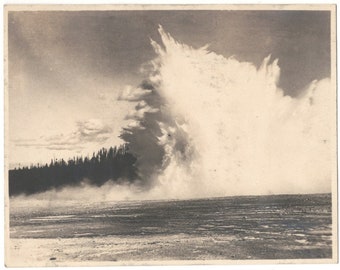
(205, 125)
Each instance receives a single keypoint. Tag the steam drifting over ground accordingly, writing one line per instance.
(205, 125)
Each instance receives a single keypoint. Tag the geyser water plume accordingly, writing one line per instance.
(205, 125)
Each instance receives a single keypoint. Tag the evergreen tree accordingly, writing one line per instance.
(115, 164)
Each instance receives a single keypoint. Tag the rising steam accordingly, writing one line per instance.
(206, 125)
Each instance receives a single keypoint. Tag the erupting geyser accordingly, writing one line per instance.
(205, 125)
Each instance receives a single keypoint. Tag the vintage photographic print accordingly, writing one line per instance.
(150, 134)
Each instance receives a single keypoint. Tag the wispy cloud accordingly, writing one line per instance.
(130, 93)
(89, 131)
(92, 130)
(140, 109)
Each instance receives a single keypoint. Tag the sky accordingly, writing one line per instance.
(67, 69)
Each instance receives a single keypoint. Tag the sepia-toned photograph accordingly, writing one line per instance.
(170, 134)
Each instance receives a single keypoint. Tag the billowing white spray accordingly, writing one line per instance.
(227, 129)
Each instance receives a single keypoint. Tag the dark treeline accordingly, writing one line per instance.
(115, 164)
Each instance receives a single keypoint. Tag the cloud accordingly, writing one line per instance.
(140, 109)
(23, 140)
(130, 93)
(102, 96)
(88, 131)
(107, 98)
(92, 130)
(62, 148)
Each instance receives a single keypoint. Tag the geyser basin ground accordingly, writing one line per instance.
(230, 228)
